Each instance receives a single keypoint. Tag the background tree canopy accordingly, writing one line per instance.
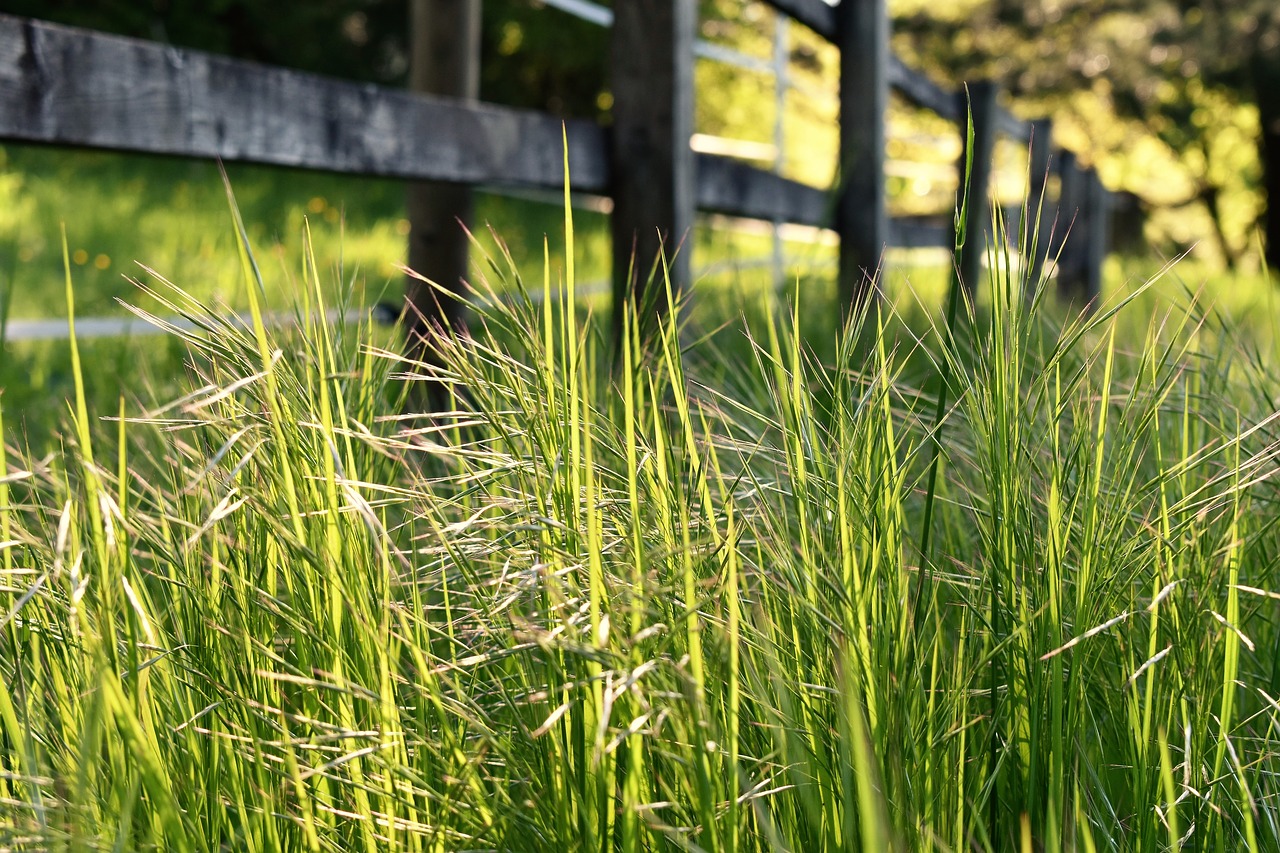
(1178, 100)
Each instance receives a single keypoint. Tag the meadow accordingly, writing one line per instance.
(955, 577)
(134, 219)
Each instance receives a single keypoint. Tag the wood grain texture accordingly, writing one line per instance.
(65, 86)
(862, 218)
(651, 60)
(735, 188)
(75, 87)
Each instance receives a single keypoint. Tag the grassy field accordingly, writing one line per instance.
(995, 580)
(127, 216)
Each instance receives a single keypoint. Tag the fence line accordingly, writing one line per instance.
(67, 86)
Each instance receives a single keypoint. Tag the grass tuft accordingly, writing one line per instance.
(655, 596)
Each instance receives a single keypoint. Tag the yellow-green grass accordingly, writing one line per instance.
(169, 214)
(124, 211)
(704, 599)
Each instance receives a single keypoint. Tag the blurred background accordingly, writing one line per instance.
(1175, 102)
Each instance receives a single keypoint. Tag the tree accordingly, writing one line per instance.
(1184, 68)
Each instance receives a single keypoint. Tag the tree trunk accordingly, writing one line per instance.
(1212, 198)
(1266, 81)
(444, 60)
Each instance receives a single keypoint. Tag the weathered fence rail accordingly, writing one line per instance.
(67, 86)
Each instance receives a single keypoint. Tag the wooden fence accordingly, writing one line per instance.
(66, 86)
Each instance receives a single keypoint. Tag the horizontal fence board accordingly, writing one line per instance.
(935, 231)
(814, 14)
(916, 87)
(919, 90)
(1013, 127)
(61, 85)
(733, 187)
(737, 189)
(75, 87)
(704, 49)
(920, 232)
(593, 13)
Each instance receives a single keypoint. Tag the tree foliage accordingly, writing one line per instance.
(1200, 76)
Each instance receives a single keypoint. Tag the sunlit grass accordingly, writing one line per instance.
(676, 599)
(170, 214)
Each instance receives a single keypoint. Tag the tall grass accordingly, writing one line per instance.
(675, 599)
(176, 212)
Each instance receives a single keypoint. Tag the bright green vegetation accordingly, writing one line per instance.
(766, 592)
(122, 211)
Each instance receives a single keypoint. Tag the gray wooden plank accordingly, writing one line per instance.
(920, 232)
(814, 14)
(862, 217)
(444, 59)
(737, 189)
(936, 232)
(919, 90)
(75, 87)
(1013, 127)
(651, 58)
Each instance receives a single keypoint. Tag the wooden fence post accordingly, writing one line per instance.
(1097, 221)
(981, 103)
(861, 218)
(1067, 229)
(444, 59)
(653, 166)
(1079, 265)
(1039, 206)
